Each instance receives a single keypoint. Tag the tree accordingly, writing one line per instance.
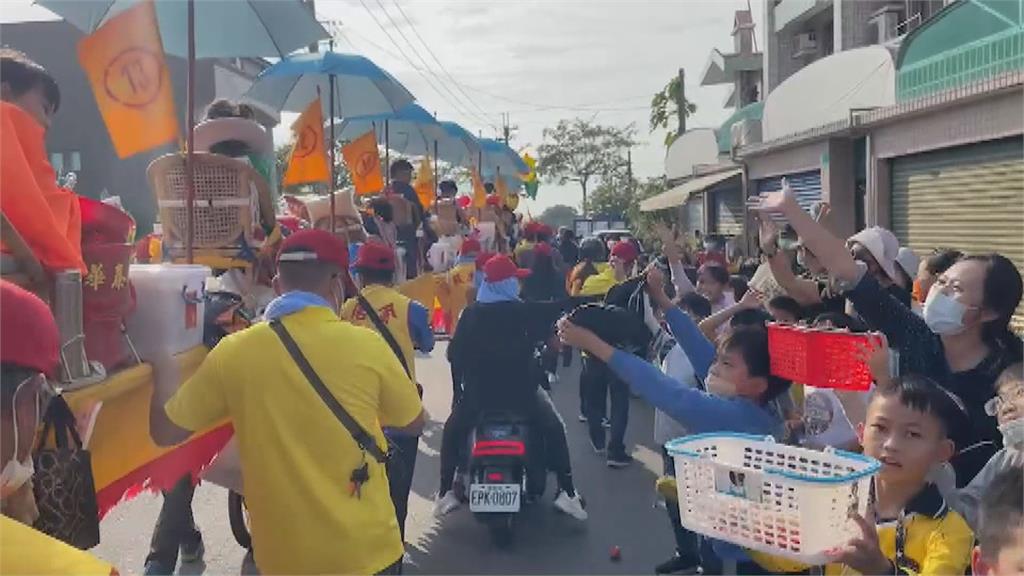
(665, 110)
(559, 215)
(579, 151)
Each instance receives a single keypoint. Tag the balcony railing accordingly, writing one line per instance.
(985, 58)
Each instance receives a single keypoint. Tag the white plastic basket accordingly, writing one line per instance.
(782, 500)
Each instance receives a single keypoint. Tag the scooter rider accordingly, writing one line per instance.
(494, 343)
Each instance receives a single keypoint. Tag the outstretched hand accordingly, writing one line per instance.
(863, 552)
(578, 337)
(768, 235)
(752, 300)
(656, 287)
(777, 202)
(669, 241)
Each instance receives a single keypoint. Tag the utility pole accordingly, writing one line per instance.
(311, 6)
(506, 127)
(681, 102)
(629, 167)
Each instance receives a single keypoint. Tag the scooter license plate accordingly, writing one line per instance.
(494, 497)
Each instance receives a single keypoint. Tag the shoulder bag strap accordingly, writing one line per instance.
(363, 438)
(382, 328)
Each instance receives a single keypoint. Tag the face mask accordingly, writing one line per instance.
(718, 386)
(943, 314)
(1013, 434)
(15, 474)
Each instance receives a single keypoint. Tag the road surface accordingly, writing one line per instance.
(621, 504)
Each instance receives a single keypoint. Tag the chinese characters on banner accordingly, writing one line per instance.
(363, 161)
(124, 61)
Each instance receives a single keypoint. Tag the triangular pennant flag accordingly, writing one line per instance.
(424, 184)
(363, 161)
(124, 61)
(308, 162)
(479, 191)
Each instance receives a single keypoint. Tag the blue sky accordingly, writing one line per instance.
(539, 61)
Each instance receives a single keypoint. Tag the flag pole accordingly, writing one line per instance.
(190, 191)
(437, 185)
(330, 189)
(387, 149)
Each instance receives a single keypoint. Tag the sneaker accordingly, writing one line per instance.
(599, 447)
(193, 553)
(446, 504)
(572, 506)
(606, 423)
(552, 377)
(679, 565)
(154, 568)
(619, 460)
(582, 418)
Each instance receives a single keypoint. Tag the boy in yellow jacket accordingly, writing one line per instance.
(910, 529)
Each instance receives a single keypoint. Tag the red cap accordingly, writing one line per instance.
(501, 267)
(625, 251)
(483, 258)
(543, 249)
(28, 331)
(314, 245)
(494, 200)
(532, 228)
(463, 201)
(470, 246)
(375, 255)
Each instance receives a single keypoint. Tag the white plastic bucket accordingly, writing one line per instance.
(168, 317)
(782, 500)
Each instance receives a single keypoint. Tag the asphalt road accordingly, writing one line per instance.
(621, 504)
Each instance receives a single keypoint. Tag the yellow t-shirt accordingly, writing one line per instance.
(27, 551)
(297, 458)
(393, 310)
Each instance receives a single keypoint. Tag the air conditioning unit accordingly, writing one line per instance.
(804, 44)
(745, 132)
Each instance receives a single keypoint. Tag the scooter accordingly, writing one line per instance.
(502, 477)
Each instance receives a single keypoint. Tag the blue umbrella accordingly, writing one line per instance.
(214, 29)
(411, 131)
(361, 87)
(460, 147)
(497, 157)
(223, 28)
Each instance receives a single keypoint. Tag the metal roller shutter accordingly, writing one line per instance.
(729, 212)
(970, 198)
(806, 186)
(695, 213)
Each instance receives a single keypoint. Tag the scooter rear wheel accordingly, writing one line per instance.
(239, 519)
(502, 530)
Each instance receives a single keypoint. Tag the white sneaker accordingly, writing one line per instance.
(571, 506)
(552, 377)
(446, 504)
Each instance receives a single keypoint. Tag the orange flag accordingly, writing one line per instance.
(500, 188)
(363, 163)
(308, 161)
(479, 192)
(124, 61)
(424, 185)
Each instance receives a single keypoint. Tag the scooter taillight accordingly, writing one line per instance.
(495, 477)
(499, 448)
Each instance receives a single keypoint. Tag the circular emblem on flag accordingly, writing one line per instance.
(134, 77)
(306, 143)
(365, 164)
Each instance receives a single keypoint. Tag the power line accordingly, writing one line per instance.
(436, 59)
(409, 60)
(534, 107)
(455, 99)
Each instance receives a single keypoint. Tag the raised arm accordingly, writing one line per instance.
(710, 325)
(803, 291)
(699, 350)
(671, 249)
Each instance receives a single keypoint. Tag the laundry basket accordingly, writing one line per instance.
(782, 500)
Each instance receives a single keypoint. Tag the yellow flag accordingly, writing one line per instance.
(424, 185)
(479, 192)
(124, 61)
(308, 161)
(363, 161)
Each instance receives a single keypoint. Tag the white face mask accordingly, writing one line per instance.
(943, 313)
(15, 474)
(719, 387)
(1013, 434)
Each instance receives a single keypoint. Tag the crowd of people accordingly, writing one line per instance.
(327, 412)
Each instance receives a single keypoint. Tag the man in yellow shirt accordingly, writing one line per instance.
(317, 498)
(407, 325)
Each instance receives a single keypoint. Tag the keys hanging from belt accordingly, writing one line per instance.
(359, 477)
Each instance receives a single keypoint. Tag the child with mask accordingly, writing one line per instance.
(1008, 409)
(1000, 547)
(738, 382)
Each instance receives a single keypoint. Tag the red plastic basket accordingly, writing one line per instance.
(819, 358)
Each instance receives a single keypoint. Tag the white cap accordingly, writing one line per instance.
(908, 261)
(210, 132)
(882, 244)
